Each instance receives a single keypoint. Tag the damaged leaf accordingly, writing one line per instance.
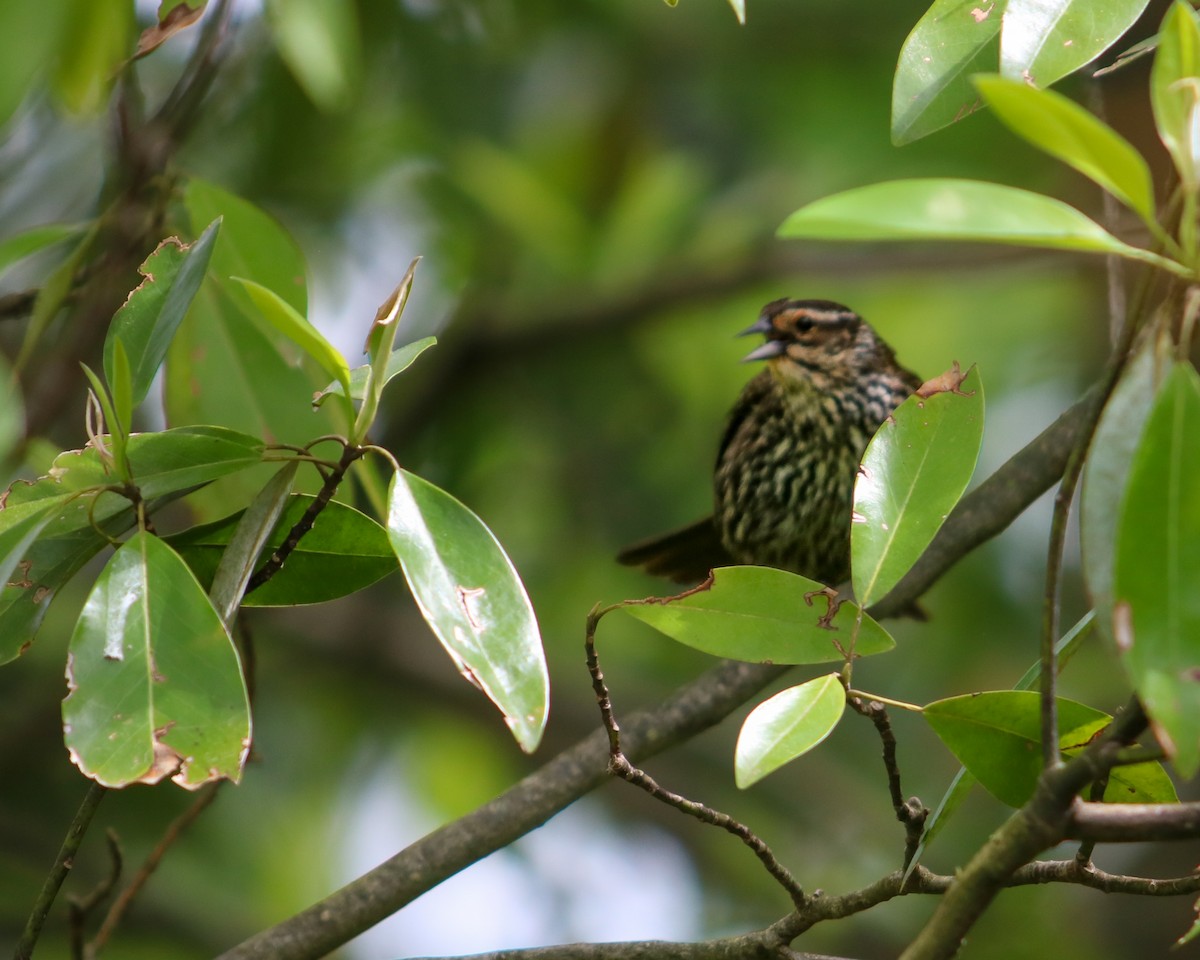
(172, 17)
(762, 615)
(155, 688)
(472, 598)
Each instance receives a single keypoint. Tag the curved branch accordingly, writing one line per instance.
(695, 707)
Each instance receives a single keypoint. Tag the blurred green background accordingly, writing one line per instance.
(595, 188)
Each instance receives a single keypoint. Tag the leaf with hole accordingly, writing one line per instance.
(155, 686)
(470, 595)
(762, 615)
(914, 471)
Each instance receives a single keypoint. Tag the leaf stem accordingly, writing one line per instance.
(868, 697)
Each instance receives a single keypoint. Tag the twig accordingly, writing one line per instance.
(277, 559)
(80, 906)
(911, 813)
(619, 766)
(695, 707)
(173, 832)
(58, 873)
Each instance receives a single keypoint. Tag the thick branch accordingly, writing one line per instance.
(695, 707)
(1132, 822)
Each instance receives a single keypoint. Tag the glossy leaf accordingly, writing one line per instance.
(162, 463)
(472, 599)
(761, 615)
(1107, 470)
(284, 318)
(913, 473)
(237, 562)
(957, 210)
(996, 736)
(400, 360)
(1043, 41)
(380, 339)
(1175, 91)
(1066, 131)
(952, 41)
(739, 9)
(22, 245)
(147, 321)
(155, 688)
(787, 726)
(1156, 583)
(319, 41)
(345, 551)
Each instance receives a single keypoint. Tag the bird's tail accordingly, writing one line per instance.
(684, 555)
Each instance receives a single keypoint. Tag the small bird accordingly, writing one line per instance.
(784, 479)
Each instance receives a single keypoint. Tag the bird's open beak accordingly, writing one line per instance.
(770, 349)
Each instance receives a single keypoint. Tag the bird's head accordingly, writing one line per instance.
(819, 341)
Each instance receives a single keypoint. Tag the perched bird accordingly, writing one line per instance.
(784, 478)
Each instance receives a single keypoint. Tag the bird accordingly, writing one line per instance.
(786, 465)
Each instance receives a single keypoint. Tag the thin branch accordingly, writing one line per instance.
(619, 766)
(173, 832)
(911, 813)
(1133, 822)
(277, 559)
(695, 707)
(58, 873)
(80, 907)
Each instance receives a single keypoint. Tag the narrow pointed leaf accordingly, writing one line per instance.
(760, 614)
(12, 414)
(21, 245)
(1175, 91)
(400, 360)
(378, 348)
(249, 537)
(958, 210)
(1107, 470)
(1156, 582)
(319, 41)
(147, 321)
(345, 551)
(952, 41)
(913, 473)
(155, 687)
(787, 726)
(285, 318)
(1066, 131)
(52, 295)
(472, 599)
(1044, 40)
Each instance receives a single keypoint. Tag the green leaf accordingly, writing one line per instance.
(319, 41)
(252, 244)
(380, 339)
(932, 89)
(1175, 91)
(400, 360)
(30, 37)
(739, 9)
(996, 736)
(472, 599)
(97, 38)
(1042, 42)
(284, 318)
(761, 615)
(1063, 129)
(18, 537)
(913, 473)
(155, 687)
(116, 436)
(345, 551)
(1156, 583)
(787, 726)
(958, 210)
(1107, 469)
(22, 245)
(52, 295)
(147, 321)
(162, 464)
(12, 415)
(249, 537)
(121, 385)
